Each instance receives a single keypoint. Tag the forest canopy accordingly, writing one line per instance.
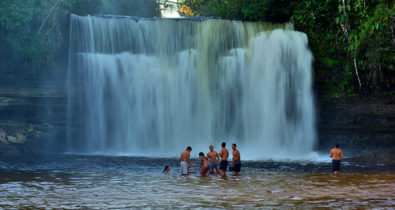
(34, 33)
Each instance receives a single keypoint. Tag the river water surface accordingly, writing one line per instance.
(71, 181)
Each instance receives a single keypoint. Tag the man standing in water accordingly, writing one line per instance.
(336, 155)
(213, 159)
(224, 154)
(203, 164)
(185, 161)
(236, 163)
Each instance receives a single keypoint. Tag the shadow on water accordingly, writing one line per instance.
(71, 181)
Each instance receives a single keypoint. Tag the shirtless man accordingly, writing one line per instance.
(213, 158)
(203, 164)
(236, 163)
(224, 154)
(185, 161)
(336, 155)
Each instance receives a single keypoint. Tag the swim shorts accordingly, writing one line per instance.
(213, 165)
(237, 166)
(184, 167)
(223, 165)
(335, 165)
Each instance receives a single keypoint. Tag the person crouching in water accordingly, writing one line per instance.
(203, 164)
(336, 154)
(224, 154)
(236, 163)
(213, 158)
(166, 170)
(186, 161)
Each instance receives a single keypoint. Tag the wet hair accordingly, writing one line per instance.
(201, 154)
(337, 145)
(189, 148)
(211, 146)
(234, 145)
(223, 144)
(166, 168)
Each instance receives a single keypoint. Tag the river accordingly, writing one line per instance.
(104, 182)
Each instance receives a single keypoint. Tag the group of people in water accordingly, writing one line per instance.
(211, 161)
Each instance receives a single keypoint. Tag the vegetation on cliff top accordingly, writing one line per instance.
(352, 40)
(34, 33)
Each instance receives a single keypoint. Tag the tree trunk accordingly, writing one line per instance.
(345, 27)
(356, 72)
(49, 14)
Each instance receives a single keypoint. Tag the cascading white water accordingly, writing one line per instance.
(154, 86)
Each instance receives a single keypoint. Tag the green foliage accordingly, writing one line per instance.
(264, 10)
(33, 33)
(22, 48)
(374, 46)
(315, 18)
(138, 8)
(360, 30)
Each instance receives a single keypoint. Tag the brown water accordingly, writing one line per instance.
(127, 182)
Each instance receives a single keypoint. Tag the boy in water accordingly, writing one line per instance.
(166, 170)
(336, 154)
(224, 154)
(203, 164)
(236, 163)
(213, 158)
(185, 161)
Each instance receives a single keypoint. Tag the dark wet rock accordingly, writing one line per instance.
(360, 126)
(29, 118)
(3, 137)
(21, 138)
(386, 157)
(12, 139)
(5, 101)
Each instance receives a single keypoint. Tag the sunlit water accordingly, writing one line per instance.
(69, 181)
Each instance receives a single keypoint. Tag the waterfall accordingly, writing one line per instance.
(154, 86)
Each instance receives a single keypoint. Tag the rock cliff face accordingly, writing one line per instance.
(29, 119)
(360, 126)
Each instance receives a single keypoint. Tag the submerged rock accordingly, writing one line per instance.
(21, 138)
(3, 137)
(12, 139)
(386, 157)
(30, 128)
(5, 101)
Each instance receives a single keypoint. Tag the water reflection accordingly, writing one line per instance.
(126, 182)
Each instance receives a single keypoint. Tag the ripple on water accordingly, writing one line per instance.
(72, 182)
